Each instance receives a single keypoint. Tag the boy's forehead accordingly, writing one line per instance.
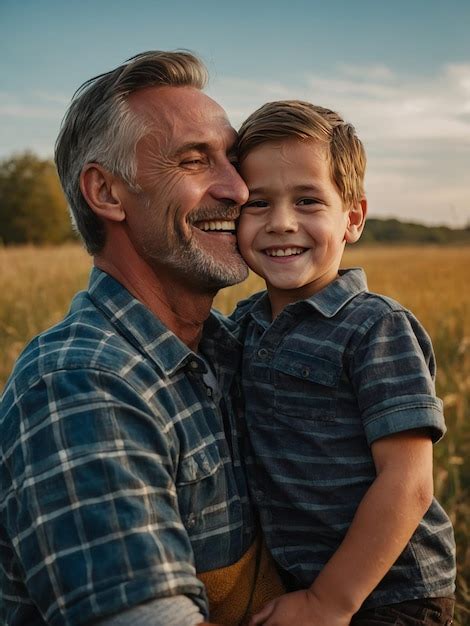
(291, 151)
(288, 165)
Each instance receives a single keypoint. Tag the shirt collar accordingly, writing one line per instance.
(143, 329)
(330, 300)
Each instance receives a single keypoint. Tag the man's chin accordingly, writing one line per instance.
(216, 278)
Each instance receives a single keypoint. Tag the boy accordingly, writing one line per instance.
(338, 382)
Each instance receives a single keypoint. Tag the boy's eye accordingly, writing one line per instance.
(308, 201)
(256, 204)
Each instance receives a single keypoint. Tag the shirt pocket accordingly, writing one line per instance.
(200, 481)
(305, 386)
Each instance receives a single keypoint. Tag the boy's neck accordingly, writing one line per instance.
(280, 298)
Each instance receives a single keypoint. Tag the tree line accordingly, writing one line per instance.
(33, 209)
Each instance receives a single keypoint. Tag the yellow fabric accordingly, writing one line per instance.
(237, 591)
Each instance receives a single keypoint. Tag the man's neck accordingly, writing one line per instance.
(180, 308)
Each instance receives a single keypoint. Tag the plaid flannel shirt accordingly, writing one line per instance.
(121, 474)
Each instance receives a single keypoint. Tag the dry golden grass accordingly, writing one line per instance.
(36, 286)
(430, 280)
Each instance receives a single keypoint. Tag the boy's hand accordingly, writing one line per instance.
(300, 608)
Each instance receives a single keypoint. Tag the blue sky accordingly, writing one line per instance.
(400, 72)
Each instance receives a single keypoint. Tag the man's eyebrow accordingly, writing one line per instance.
(193, 145)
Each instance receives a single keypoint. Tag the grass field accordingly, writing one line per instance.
(36, 286)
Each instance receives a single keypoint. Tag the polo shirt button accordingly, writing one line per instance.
(262, 353)
(305, 372)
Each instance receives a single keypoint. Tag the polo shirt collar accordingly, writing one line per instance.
(140, 326)
(330, 300)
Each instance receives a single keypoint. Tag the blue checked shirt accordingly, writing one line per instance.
(328, 377)
(120, 470)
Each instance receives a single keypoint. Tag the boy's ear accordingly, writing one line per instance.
(101, 190)
(356, 221)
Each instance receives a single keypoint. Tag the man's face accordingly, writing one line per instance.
(182, 220)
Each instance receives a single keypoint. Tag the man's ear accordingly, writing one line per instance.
(101, 189)
(356, 221)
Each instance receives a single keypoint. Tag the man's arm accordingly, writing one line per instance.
(175, 611)
(382, 526)
(94, 512)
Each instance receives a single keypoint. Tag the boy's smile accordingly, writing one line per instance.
(293, 229)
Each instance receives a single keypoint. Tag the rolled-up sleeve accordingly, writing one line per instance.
(393, 377)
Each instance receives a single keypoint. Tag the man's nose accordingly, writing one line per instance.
(230, 186)
(281, 219)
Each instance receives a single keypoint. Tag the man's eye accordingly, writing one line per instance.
(194, 162)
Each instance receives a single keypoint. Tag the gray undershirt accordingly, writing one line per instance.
(174, 611)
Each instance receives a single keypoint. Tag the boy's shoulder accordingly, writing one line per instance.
(246, 305)
(368, 310)
(370, 302)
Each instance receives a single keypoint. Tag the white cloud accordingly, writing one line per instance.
(416, 130)
(26, 111)
(53, 97)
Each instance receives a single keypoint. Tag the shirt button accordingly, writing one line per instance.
(191, 521)
(305, 372)
(209, 392)
(258, 495)
(262, 353)
(194, 365)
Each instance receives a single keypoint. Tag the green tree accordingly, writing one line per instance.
(33, 208)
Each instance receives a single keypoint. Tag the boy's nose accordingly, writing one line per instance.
(281, 220)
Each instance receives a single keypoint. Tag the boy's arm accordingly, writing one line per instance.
(382, 526)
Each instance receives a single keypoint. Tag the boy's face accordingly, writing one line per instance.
(293, 229)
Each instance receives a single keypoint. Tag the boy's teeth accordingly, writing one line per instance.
(223, 225)
(284, 251)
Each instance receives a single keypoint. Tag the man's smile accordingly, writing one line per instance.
(221, 226)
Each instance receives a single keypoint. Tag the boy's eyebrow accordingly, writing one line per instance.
(299, 188)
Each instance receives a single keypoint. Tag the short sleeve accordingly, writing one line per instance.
(92, 512)
(392, 373)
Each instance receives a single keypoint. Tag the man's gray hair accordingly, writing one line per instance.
(99, 127)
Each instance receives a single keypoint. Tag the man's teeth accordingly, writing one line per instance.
(224, 225)
(284, 251)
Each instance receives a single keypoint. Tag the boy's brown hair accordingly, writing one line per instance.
(286, 119)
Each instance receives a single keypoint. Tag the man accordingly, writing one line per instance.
(121, 474)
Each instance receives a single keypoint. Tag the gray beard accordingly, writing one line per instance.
(199, 269)
(206, 273)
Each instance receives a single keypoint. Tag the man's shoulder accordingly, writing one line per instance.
(84, 339)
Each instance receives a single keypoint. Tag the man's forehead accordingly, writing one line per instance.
(170, 105)
(182, 116)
